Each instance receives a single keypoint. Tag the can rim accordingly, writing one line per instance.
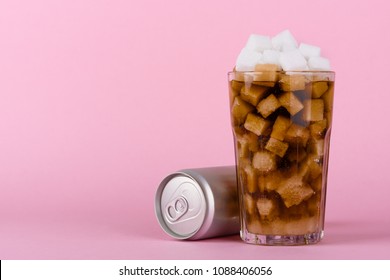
(203, 185)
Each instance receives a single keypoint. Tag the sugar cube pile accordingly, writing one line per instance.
(282, 50)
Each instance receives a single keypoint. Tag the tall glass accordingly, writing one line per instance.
(281, 125)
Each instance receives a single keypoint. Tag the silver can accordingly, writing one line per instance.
(199, 203)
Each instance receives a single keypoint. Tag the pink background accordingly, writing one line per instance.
(100, 100)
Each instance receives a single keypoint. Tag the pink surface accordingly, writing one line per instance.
(99, 100)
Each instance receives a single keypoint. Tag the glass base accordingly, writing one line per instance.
(284, 240)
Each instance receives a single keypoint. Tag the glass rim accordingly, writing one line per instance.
(284, 71)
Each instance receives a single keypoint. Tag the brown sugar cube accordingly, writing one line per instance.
(299, 119)
(297, 134)
(313, 110)
(268, 105)
(242, 150)
(268, 67)
(267, 207)
(250, 204)
(311, 168)
(280, 127)
(293, 191)
(250, 181)
(234, 89)
(238, 131)
(256, 124)
(318, 129)
(316, 147)
(253, 93)
(277, 147)
(289, 101)
(242, 165)
(328, 98)
(240, 109)
(292, 82)
(318, 89)
(245, 168)
(236, 85)
(248, 141)
(269, 73)
(304, 170)
(264, 161)
(315, 170)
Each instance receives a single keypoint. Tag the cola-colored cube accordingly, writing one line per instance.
(318, 129)
(297, 135)
(313, 110)
(268, 105)
(253, 93)
(256, 124)
(319, 88)
(328, 99)
(292, 82)
(277, 147)
(240, 110)
(267, 207)
(247, 143)
(280, 127)
(264, 161)
(293, 191)
(289, 101)
(251, 179)
(266, 73)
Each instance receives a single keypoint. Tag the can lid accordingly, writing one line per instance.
(180, 206)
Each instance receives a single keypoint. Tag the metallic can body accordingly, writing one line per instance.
(199, 203)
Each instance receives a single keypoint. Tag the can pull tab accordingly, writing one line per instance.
(176, 208)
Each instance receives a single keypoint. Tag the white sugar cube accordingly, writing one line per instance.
(271, 57)
(309, 50)
(258, 43)
(292, 60)
(319, 63)
(284, 41)
(282, 50)
(247, 59)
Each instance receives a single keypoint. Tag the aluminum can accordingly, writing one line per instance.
(199, 203)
